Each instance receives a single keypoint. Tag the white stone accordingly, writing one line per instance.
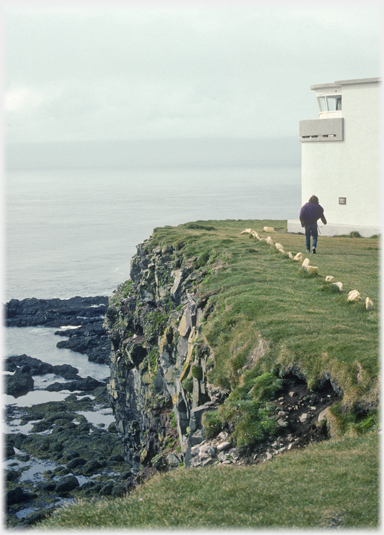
(329, 278)
(368, 304)
(269, 229)
(223, 435)
(247, 231)
(224, 446)
(195, 451)
(312, 270)
(206, 462)
(303, 417)
(354, 295)
(290, 254)
(323, 415)
(306, 262)
(279, 246)
(339, 285)
(298, 257)
(269, 240)
(255, 234)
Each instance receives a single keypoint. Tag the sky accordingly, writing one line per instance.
(81, 72)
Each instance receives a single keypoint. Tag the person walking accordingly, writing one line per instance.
(309, 214)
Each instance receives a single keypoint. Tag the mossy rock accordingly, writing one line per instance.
(197, 372)
(188, 384)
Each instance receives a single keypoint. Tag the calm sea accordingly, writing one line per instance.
(74, 232)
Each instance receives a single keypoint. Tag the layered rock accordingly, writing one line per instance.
(158, 363)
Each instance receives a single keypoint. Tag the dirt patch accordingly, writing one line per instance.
(300, 413)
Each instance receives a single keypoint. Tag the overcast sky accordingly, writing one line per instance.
(111, 71)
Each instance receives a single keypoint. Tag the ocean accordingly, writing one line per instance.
(73, 232)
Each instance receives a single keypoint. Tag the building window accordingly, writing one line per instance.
(329, 103)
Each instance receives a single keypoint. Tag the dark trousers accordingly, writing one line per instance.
(311, 229)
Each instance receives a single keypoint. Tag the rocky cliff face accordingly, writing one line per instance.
(158, 365)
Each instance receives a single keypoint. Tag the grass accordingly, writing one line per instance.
(258, 292)
(329, 484)
(266, 315)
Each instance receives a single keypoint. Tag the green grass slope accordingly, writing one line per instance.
(305, 322)
(326, 485)
(269, 315)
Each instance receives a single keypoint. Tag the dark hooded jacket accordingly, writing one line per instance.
(310, 213)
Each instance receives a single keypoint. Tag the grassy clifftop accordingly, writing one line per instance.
(307, 323)
(266, 315)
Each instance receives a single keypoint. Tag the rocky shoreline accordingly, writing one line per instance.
(57, 451)
(84, 313)
(60, 455)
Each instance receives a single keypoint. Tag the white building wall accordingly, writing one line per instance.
(349, 168)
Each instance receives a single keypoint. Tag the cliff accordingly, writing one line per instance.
(158, 367)
(177, 398)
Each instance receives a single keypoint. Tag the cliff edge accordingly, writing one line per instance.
(176, 399)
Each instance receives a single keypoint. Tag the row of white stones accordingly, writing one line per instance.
(353, 295)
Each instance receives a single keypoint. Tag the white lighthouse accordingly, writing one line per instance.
(341, 157)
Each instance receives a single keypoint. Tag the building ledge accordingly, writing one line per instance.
(334, 229)
(322, 130)
(339, 83)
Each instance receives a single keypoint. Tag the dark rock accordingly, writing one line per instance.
(93, 490)
(49, 486)
(117, 458)
(90, 467)
(118, 490)
(16, 495)
(53, 312)
(12, 475)
(36, 516)
(36, 366)
(18, 384)
(106, 490)
(9, 451)
(41, 426)
(84, 385)
(57, 446)
(89, 339)
(86, 313)
(76, 462)
(15, 439)
(66, 371)
(66, 484)
(88, 485)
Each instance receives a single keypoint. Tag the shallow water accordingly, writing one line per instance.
(40, 343)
